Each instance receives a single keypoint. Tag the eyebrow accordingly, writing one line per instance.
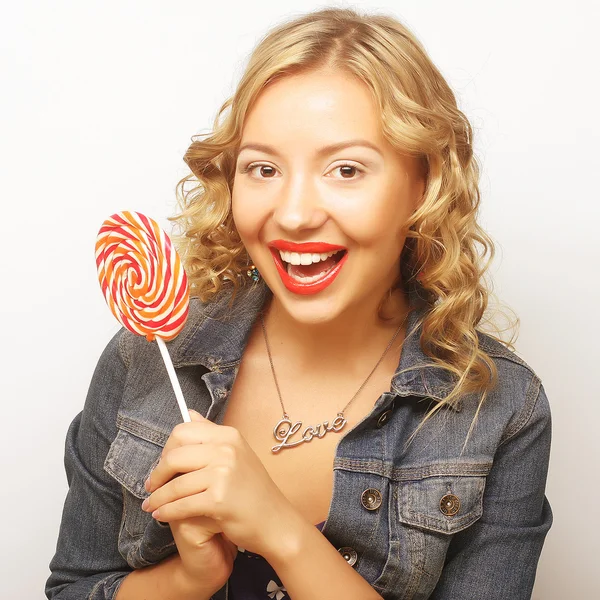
(330, 149)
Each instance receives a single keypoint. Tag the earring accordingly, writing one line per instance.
(253, 273)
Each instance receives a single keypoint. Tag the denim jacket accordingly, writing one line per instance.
(439, 521)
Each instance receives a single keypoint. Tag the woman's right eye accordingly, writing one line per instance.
(266, 170)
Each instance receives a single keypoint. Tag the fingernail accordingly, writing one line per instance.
(145, 504)
(147, 484)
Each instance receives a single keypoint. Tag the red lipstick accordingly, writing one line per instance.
(298, 287)
(317, 247)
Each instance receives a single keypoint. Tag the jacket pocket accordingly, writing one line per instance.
(445, 504)
(430, 505)
(142, 540)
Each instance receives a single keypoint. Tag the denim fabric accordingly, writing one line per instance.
(407, 548)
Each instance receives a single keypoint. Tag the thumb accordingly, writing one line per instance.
(196, 416)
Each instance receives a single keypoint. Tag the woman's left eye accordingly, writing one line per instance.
(348, 169)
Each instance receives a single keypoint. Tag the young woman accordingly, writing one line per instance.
(356, 435)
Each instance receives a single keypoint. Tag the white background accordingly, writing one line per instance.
(99, 101)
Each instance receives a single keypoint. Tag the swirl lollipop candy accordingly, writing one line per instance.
(143, 282)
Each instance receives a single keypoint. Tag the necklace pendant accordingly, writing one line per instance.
(284, 430)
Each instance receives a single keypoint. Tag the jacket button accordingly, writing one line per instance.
(383, 418)
(349, 554)
(371, 499)
(449, 505)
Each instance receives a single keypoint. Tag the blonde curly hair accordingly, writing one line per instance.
(445, 251)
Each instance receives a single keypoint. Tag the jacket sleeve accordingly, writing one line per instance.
(87, 564)
(496, 558)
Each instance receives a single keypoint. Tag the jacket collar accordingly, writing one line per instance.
(216, 333)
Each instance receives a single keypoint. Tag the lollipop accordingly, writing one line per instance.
(143, 282)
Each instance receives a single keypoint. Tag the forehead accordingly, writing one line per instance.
(314, 106)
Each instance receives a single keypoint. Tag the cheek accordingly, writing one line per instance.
(375, 224)
(245, 218)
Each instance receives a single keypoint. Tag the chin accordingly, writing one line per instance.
(311, 309)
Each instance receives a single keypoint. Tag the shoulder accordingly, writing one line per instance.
(502, 354)
(512, 368)
(105, 392)
(114, 357)
(519, 389)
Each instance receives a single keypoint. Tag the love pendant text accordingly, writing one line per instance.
(284, 430)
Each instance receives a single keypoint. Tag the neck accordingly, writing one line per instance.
(356, 337)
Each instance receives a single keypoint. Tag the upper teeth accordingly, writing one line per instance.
(304, 258)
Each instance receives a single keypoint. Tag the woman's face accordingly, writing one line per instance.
(291, 185)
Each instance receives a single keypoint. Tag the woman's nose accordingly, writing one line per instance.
(299, 206)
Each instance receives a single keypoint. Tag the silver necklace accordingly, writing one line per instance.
(286, 429)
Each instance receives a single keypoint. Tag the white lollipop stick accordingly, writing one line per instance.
(174, 381)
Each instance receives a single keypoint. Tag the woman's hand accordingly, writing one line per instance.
(206, 557)
(210, 477)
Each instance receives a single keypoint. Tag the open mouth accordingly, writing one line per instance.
(308, 272)
(310, 267)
